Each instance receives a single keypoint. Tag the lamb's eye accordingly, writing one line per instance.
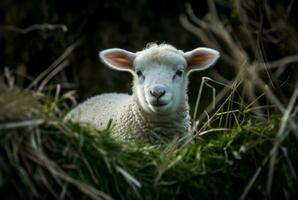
(179, 72)
(139, 73)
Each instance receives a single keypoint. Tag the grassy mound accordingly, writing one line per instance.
(45, 158)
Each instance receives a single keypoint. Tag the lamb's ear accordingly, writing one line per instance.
(118, 59)
(201, 58)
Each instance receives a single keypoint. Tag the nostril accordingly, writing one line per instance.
(152, 93)
(157, 94)
(162, 93)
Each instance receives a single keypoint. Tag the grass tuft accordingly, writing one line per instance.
(46, 158)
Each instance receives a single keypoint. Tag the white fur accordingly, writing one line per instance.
(142, 114)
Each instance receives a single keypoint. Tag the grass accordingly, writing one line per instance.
(43, 157)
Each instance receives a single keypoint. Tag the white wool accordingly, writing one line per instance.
(129, 119)
(98, 110)
(137, 115)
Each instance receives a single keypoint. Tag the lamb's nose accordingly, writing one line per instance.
(158, 91)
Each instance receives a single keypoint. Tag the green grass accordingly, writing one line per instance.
(43, 157)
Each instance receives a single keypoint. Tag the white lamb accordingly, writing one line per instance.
(158, 107)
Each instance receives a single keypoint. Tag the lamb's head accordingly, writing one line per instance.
(160, 73)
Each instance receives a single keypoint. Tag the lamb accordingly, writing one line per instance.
(158, 107)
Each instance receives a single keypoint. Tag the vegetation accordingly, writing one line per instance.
(43, 157)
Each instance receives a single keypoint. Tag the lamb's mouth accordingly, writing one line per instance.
(158, 103)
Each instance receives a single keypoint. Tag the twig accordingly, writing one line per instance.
(253, 178)
(57, 172)
(34, 122)
(213, 10)
(213, 130)
(198, 100)
(9, 77)
(290, 164)
(216, 99)
(232, 85)
(60, 67)
(56, 63)
(271, 97)
(34, 27)
(278, 63)
(281, 132)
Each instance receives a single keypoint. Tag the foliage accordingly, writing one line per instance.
(43, 157)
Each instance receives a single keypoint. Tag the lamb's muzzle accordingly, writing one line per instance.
(158, 106)
(157, 92)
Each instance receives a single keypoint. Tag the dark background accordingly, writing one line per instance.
(105, 24)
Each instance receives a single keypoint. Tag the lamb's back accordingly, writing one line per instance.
(98, 110)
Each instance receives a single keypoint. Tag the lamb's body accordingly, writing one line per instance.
(129, 119)
(158, 107)
(99, 110)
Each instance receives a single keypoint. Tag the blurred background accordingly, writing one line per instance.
(44, 43)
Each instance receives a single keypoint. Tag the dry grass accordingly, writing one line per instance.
(255, 79)
(44, 158)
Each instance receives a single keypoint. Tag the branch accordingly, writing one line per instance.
(279, 63)
(56, 63)
(34, 27)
